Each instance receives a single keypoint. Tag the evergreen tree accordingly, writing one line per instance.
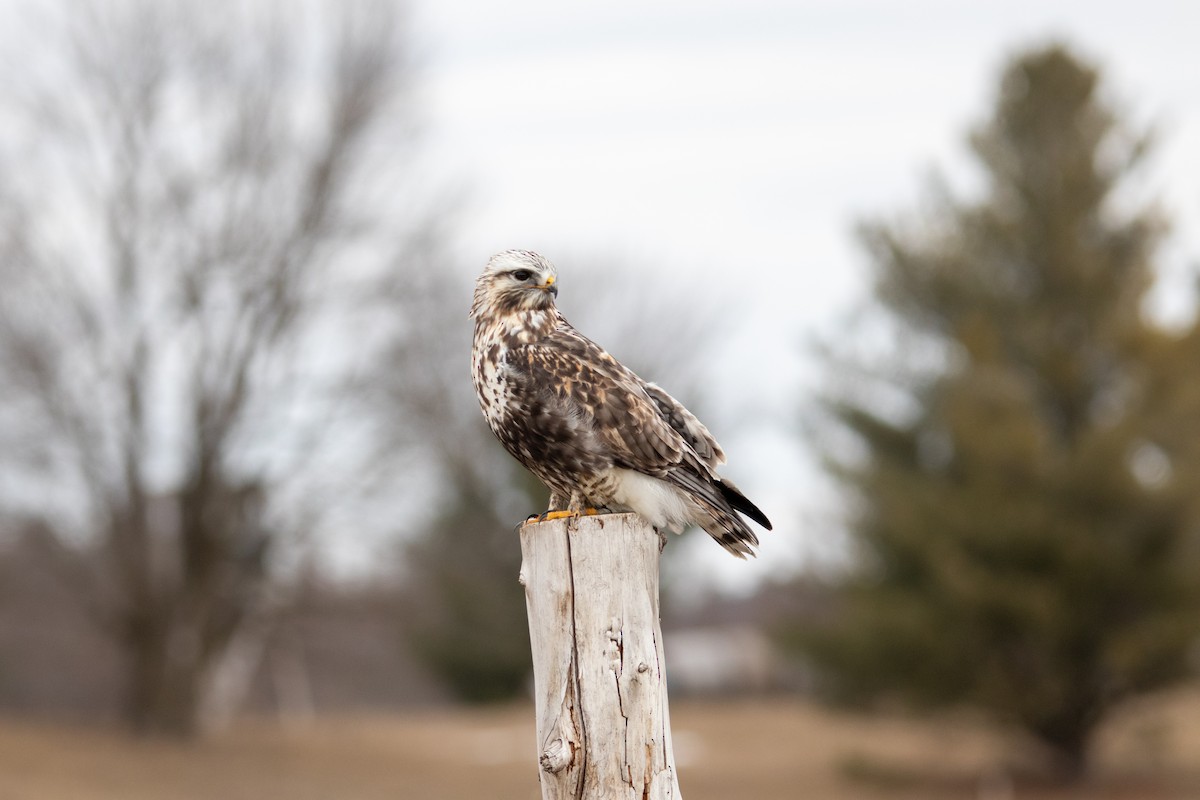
(1023, 515)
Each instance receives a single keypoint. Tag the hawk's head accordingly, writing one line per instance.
(515, 280)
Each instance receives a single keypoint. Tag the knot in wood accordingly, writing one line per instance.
(557, 756)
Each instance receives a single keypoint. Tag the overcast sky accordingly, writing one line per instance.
(735, 143)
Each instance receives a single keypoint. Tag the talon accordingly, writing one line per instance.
(545, 516)
(549, 515)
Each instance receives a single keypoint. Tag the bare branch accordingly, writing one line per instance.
(186, 271)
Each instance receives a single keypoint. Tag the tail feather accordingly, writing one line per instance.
(720, 520)
(735, 498)
(730, 531)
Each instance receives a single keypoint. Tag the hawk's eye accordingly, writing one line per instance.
(522, 274)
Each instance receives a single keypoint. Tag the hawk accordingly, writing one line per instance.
(595, 433)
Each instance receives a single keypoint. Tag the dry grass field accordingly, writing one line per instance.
(758, 750)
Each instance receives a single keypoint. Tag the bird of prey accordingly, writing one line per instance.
(595, 433)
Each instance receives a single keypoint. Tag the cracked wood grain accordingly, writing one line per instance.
(603, 728)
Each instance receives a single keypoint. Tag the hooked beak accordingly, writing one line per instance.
(549, 286)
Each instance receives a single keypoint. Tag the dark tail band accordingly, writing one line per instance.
(735, 498)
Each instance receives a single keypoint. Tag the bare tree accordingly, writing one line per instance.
(191, 248)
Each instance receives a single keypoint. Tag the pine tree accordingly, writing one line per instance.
(1022, 504)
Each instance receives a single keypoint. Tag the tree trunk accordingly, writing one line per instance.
(603, 730)
(181, 683)
(1068, 738)
(164, 690)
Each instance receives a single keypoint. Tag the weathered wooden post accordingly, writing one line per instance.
(603, 731)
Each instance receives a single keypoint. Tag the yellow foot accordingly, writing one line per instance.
(549, 515)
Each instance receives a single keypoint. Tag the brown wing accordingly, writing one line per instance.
(616, 418)
(686, 425)
(589, 383)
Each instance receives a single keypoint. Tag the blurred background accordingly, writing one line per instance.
(928, 271)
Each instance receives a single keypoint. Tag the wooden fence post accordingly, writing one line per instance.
(591, 587)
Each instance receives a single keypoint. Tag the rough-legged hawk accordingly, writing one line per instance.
(595, 433)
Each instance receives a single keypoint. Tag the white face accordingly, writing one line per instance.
(515, 280)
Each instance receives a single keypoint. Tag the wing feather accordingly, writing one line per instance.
(596, 387)
(687, 426)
